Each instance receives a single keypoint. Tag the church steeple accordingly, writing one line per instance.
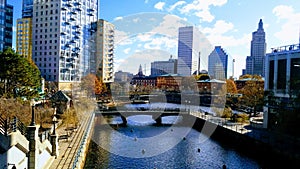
(140, 73)
(260, 25)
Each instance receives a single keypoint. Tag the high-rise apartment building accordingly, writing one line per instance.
(24, 37)
(6, 25)
(24, 30)
(103, 51)
(61, 32)
(258, 52)
(218, 63)
(188, 50)
(164, 67)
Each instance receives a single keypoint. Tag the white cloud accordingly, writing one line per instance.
(159, 5)
(205, 15)
(121, 38)
(169, 26)
(142, 57)
(127, 50)
(118, 18)
(220, 27)
(217, 35)
(289, 21)
(202, 8)
(179, 3)
(145, 36)
(162, 43)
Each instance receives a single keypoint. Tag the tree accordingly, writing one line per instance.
(92, 85)
(253, 93)
(231, 86)
(202, 77)
(18, 76)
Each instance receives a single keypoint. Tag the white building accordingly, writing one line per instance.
(282, 82)
(103, 51)
(60, 33)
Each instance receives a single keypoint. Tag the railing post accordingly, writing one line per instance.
(14, 124)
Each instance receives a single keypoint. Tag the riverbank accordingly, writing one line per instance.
(280, 156)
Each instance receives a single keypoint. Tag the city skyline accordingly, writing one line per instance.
(215, 19)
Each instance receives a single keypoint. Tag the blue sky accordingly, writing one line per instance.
(146, 29)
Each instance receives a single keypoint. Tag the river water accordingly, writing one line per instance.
(142, 144)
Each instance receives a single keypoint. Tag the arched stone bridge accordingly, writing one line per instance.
(156, 114)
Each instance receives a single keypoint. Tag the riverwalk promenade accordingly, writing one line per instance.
(69, 144)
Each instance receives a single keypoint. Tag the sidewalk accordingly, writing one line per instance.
(68, 146)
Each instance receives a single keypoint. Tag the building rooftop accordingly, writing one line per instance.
(287, 48)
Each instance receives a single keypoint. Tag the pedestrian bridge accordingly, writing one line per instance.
(156, 114)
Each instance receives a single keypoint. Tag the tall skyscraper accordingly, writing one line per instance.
(103, 51)
(188, 50)
(60, 41)
(258, 51)
(218, 63)
(6, 25)
(24, 30)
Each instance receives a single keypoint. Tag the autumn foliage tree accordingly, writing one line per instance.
(253, 93)
(92, 85)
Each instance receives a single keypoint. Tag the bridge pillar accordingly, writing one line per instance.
(158, 120)
(124, 120)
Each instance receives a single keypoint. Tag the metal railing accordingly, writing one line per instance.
(83, 142)
(8, 126)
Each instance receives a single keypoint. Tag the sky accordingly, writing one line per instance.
(147, 30)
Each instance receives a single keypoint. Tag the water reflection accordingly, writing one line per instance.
(192, 149)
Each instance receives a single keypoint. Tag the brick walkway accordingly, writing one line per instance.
(68, 146)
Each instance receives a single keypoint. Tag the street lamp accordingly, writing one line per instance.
(54, 120)
(32, 104)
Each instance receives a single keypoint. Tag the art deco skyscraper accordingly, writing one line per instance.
(258, 52)
(60, 41)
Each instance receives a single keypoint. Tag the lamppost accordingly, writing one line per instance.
(32, 104)
(54, 120)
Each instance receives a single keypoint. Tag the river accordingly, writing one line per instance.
(142, 144)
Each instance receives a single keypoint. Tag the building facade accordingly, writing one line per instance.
(255, 63)
(164, 67)
(121, 76)
(103, 51)
(188, 50)
(27, 8)
(282, 83)
(24, 37)
(218, 63)
(24, 30)
(6, 25)
(61, 31)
